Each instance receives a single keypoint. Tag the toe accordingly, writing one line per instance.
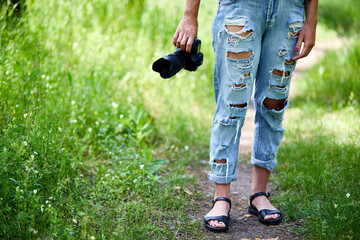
(271, 216)
(220, 224)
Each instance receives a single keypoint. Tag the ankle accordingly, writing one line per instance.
(222, 190)
(253, 191)
(222, 195)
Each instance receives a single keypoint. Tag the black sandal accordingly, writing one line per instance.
(262, 213)
(222, 218)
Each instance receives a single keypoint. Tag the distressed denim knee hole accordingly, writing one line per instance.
(239, 55)
(281, 73)
(223, 160)
(274, 103)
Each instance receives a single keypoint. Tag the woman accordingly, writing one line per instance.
(255, 42)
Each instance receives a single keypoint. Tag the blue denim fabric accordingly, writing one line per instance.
(269, 35)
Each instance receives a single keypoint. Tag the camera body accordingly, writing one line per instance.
(171, 64)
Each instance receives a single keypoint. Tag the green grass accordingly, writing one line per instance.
(318, 162)
(335, 81)
(92, 142)
(318, 167)
(340, 15)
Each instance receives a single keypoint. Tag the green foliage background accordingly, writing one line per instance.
(91, 137)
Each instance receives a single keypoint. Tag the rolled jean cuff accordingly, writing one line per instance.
(221, 180)
(269, 165)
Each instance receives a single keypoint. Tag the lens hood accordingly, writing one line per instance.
(171, 64)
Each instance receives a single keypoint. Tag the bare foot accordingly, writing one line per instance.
(261, 202)
(220, 208)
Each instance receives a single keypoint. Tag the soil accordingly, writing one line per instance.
(243, 225)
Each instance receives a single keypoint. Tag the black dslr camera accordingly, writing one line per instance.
(169, 65)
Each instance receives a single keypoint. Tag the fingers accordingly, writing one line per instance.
(189, 44)
(178, 41)
(304, 52)
(175, 37)
(298, 46)
(299, 42)
(308, 45)
(183, 42)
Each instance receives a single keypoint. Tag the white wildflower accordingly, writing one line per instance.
(32, 157)
(50, 198)
(43, 76)
(46, 202)
(90, 129)
(48, 78)
(121, 116)
(60, 129)
(141, 166)
(75, 44)
(115, 105)
(92, 238)
(7, 72)
(348, 195)
(25, 115)
(17, 106)
(72, 102)
(335, 205)
(186, 148)
(35, 153)
(35, 191)
(74, 220)
(25, 143)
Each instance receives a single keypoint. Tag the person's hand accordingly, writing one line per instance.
(185, 33)
(307, 35)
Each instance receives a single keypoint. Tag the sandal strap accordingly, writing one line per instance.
(265, 212)
(221, 199)
(267, 195)
(222, 218)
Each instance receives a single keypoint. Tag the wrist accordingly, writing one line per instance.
(192, 16)
(311, 21)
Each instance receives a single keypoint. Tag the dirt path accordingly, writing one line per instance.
(243, 225)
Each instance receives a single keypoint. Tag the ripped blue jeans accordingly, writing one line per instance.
(254, 42)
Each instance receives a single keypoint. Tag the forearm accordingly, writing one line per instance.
(191, 9)
(311, 11)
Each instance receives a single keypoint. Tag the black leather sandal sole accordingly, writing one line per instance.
(222, 218)
(264, 212)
